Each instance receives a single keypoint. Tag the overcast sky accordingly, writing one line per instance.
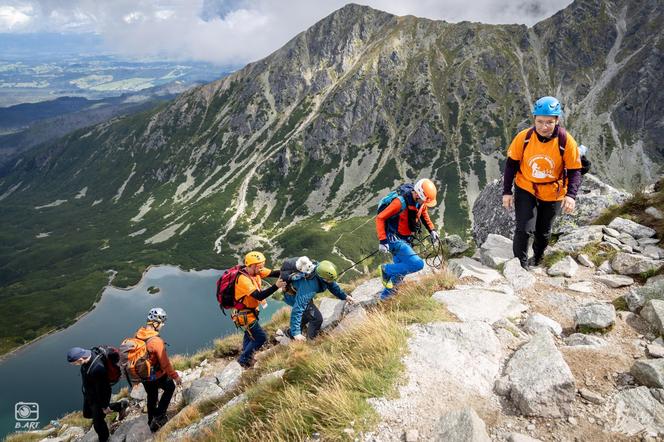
(230, 32)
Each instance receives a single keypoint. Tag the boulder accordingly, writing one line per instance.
(368, 293)
(628, 240)
(455, 244)
(541, 383)
(647, 241)
(471, 360)
(611, 232)
(538, 322)
(654, 212)
(630, 227)
(637, 411)
(229, 377)
(138, 393)
(461, 426)
(631, 264)
(353, 319)
(653, 312)
(134, 430)
(596, 315)
(591, 396)
(471, 303)
(605, 267)
(612, 240)
(655, 280)
(585, 261)
(565, 267)
(653, 252)
(202, 389)
(496, 250)
(655, 350)
(331, 309)
(615, 281)
(649, 372)
(517, 276)
(635, 300)
(577, 339)
(577, 239)
(467, 267)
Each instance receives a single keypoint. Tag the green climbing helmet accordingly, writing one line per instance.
(327, 271)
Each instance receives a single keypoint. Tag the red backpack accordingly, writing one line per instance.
(226, 288)
(110, 356)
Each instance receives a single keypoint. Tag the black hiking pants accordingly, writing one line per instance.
(313, 320)
(533, 217)
(99, 419)
(152, 389)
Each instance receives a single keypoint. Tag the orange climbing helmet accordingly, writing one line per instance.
(426, 191)
(254, 258)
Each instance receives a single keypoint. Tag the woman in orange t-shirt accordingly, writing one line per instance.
(544, 165)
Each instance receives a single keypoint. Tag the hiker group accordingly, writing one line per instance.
(545, 165)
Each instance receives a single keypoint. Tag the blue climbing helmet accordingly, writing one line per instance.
(547, 106)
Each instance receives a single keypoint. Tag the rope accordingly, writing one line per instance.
(356, 263)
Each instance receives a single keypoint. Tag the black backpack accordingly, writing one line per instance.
(110, 357)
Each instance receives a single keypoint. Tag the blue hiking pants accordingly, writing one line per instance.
(405, 261)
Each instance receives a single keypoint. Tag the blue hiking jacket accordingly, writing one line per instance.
(306, 287)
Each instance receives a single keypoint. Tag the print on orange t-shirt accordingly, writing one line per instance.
(541, 166)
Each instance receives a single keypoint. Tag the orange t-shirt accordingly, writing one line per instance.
(541, 166)
(245, 285)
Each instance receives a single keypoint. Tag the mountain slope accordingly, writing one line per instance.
(291, 153)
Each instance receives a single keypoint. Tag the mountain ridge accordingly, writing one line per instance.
(291, 153)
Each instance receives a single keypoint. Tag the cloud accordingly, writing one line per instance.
(14, 18)
(231, 32)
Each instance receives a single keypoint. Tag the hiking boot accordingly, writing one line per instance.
(124, 410)
(535, 261)
(247, 365)
(158, 422)
(524, 265)
(387, 282)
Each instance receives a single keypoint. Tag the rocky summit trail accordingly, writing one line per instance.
(532, 355)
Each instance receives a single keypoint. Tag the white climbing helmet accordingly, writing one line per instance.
(304, 265)
(157, 314)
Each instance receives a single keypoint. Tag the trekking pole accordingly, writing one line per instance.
(356, 263)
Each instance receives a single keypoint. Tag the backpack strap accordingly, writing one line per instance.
(562, 142)
(526, 140)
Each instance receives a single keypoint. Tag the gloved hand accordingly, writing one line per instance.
(435, 237)
(384, 248)
(299, 337)
(350, 299)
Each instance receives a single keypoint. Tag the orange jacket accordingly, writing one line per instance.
(403, 227)
(157, 350)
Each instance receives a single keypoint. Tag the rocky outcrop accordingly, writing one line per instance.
(638, 411)
(469, 268)
(469, 303)
(496, 250)
(540, 381)
(595, 315)
(489, 216)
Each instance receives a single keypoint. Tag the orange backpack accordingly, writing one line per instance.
(135, 360)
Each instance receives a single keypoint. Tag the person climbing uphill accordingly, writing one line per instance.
(310, 279)
(397, 222)
(544, 166)
(96, 388)
(248, 296)
(164, 376)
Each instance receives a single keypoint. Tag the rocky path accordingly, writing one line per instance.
(539, 355)
(533, 355)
